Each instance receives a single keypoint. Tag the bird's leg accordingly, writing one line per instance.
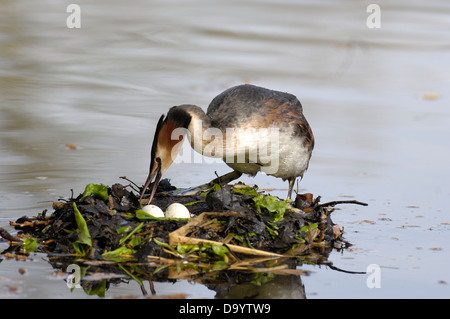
(221, 180)
(291, 186)
(225, 179)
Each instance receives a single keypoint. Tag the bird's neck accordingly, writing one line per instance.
(199, 123)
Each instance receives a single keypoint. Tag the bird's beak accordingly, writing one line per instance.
(154, 160)
(164, 149)
(155, 172)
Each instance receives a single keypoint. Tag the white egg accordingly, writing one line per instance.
(177, 210)
(153, 210)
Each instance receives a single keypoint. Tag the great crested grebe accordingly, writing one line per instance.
(251, 128)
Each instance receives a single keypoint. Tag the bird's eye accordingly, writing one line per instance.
(158, 159)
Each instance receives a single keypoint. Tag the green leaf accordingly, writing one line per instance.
(120, 254)
(96, 288)
(193, 203)
(28, 245)
(137, 279)
(137, 229)
(84, 237)
(241, 188)
(141, 215)
(219, 265)
(187, 249)
(214, 188)
(135, 241)
(273, 233)
(123, 229)
(262, 278)
(96, 190)
(237, 237)
(275, 206)
(162, 244)
(219, 250)
(307, 228)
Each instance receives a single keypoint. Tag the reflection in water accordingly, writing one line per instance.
(277, 282)
(277, 287)
(96, 277)
(258, 278)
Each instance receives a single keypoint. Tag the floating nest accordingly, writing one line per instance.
(235, 234)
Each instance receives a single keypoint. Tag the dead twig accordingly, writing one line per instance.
(8, 236)
(137, 189)
(30, 223)
(330, 265)
(337, 202)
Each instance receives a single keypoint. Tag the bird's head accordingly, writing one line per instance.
(166, 145)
